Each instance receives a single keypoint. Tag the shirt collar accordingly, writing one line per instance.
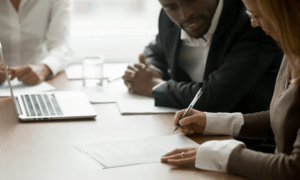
(188, 40)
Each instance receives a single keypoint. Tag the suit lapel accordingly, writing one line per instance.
(230, 12)
(175, 43)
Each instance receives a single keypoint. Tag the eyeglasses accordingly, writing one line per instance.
(252, 18)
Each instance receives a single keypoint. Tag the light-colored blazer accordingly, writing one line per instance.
(282, 122)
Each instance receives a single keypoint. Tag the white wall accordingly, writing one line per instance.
(118, 29)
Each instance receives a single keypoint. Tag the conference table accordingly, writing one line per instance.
(45, 150)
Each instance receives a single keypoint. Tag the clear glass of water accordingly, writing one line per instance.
(93, 70)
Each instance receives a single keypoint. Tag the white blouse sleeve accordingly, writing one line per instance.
(223, 123)
(214, 155)
(58, 36)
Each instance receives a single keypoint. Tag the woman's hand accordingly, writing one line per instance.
(181, 157)
(31, 74)
(2, 73)
(194, 121)
(2, 76)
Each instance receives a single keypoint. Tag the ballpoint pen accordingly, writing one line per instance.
(199, 93)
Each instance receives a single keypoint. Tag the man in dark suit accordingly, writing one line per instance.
(207, 44)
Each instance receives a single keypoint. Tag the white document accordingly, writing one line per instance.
(111, 92)
(98, 95)
(19, 87)
(137, 151)
(110, 71)
(127, 102)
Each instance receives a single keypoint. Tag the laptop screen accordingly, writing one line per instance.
(4, 72)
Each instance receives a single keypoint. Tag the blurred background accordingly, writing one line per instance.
(117, 29)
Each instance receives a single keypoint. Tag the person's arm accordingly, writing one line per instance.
(58, 36)
(262, 166)
(232, 156)
(150, 72)
(257, 125)
(155, 55)
(243, 66)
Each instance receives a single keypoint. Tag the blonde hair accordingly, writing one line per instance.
(285, 17)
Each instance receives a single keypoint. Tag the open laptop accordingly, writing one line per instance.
(49, 105)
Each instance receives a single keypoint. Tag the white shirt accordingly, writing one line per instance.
(37, 33)
(202, 45)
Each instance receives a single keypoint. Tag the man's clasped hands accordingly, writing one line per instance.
(142, 77)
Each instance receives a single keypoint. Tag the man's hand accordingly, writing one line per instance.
(31, 74)
(194, 121)
(142, 77)
(181, 157)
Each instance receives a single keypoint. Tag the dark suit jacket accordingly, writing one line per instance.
(240, 72)
(281, 122)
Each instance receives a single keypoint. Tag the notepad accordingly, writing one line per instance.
(136, 151)
(19, 87)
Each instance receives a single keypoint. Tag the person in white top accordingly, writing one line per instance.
(35, 38)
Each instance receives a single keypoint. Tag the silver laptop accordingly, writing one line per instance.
(49, 105)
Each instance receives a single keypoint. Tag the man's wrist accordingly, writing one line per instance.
(47, 71)
(157, 82)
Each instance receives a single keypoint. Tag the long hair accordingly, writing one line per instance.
(285, 18)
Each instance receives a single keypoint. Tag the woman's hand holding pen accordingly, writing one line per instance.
(194, 121)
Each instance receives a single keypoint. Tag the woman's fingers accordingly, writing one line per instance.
(178, 116)
(182, 162)
(189, 120)
(181, 155)
(176, 151)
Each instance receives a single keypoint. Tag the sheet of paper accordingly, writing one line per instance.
(98, 95)
(111, 92)
(136, 151)
(128, 103)
(111, 71)
(19, 87)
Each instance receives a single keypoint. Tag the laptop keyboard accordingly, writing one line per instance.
(37, 105)
(4, 88)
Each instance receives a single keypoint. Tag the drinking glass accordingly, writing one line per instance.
(93, 70)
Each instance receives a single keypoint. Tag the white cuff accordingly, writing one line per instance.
(54, 64)
(223, 123)
(214, 155)
(158, 85)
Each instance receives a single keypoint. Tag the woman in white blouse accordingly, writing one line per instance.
(281, 20)
(34, 35)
